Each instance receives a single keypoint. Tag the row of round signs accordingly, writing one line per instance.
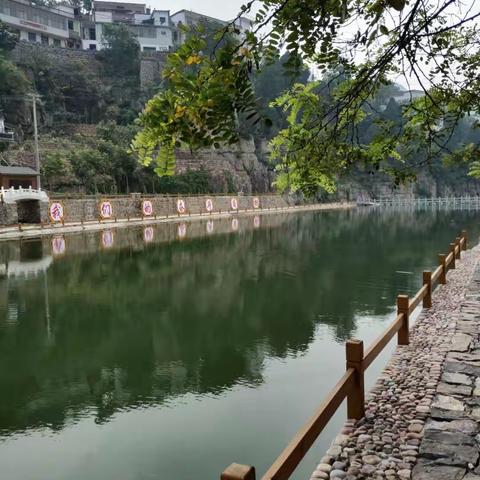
(57, 211)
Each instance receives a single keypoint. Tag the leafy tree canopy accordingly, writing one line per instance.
(13, 82)
(121, 50)
(357, 46)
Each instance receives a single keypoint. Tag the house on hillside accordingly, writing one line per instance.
(152, 29)
(189, 18)
(55, 26)
(5, 134)
(17, 177)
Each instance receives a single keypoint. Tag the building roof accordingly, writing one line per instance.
(17, 171)
(198, 15)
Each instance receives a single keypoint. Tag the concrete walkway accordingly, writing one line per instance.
(421, 416)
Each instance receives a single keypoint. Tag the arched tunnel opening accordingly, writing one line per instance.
(28, 211)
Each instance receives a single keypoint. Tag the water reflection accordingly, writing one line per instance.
(105, 321)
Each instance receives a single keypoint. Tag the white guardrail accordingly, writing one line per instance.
(11, 195)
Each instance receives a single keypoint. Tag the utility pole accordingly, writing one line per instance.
(35, 136)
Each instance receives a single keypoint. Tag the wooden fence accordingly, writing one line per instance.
(351, 385)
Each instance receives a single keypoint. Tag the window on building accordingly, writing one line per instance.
(32, 37)
(56, 42)
(70, 24)
(144, 32)
(92, 46)
(149, 49)
(163, 32)
(92, 34)
(175, 36)
(162, 20)
(44, 40)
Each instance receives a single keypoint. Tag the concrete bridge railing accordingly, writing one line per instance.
(12, 195)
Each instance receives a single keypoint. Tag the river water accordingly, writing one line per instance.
(170, 351)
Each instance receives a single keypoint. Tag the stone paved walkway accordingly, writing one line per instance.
(421, 416)
(450, 446)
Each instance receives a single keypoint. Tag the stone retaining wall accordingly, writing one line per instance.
(88, 209)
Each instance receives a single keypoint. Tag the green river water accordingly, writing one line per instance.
(170, 351)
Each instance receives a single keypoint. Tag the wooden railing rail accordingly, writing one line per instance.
(380, 343)
(351, 385)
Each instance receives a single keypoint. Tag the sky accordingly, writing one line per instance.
(221, 9)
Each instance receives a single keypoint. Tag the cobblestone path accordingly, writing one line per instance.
(450, 446)
(422, 415)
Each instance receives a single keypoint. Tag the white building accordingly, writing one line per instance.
(64, 26)
(48, 26)
(190, 19)
(152, 29)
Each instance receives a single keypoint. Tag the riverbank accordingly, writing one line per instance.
(27, 231)
(387, 441)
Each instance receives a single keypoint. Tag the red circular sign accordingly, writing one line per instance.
(106, 210)
(147, 208)
(56, 212)
(181, 206)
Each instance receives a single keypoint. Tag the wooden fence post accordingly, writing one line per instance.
(427, 280)
(464, 235)
(402, 308)
(457, 243)
(238, 472)
(452, 249)
(356, 398)
(442, 279)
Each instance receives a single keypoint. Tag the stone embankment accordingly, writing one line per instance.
(22, 231)
(422, 415)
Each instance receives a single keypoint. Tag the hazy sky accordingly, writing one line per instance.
(221, 9)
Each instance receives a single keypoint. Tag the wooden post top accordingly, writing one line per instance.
(402, 303)
(354, 351)
(238, 472)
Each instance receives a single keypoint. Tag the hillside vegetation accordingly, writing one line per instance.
(88, 105)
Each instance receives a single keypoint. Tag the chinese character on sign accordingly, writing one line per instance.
(147, 208)
(256, 203)
(106, 210)
(56, 212)
(234, 203)
(209, 204)
(181, 207)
